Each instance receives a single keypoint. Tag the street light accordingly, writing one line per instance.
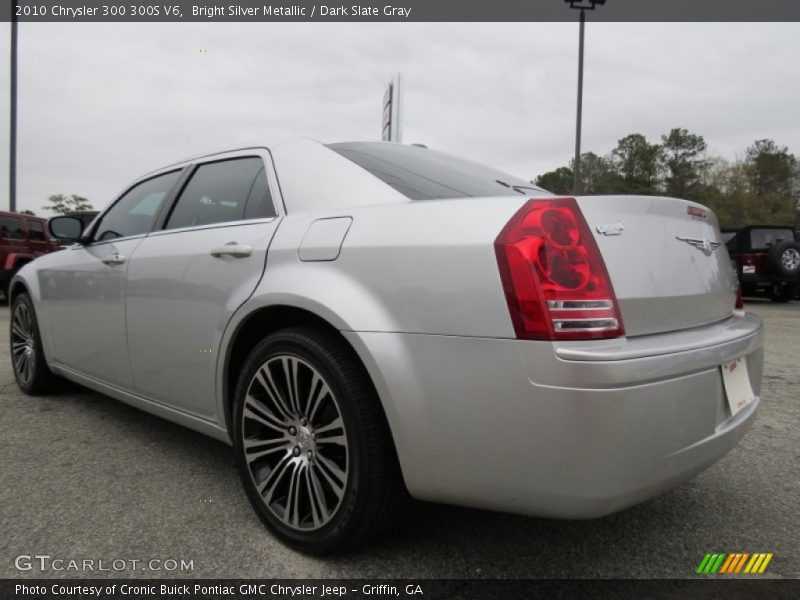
(583, 6)
(12, 130)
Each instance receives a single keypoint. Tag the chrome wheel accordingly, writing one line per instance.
(295, 442)
(791, 259)
(23, 344)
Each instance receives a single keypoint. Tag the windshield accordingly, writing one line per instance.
(422, 174)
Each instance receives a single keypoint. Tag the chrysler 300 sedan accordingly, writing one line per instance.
(362, 321)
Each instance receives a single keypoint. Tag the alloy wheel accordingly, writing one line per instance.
(23, 344)
(295, 442)
(791, 259)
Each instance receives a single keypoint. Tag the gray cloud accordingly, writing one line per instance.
(101, 104)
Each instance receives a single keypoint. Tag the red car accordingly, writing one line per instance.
(767, 259)
(22, 238)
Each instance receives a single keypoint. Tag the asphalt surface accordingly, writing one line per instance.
(86, 477)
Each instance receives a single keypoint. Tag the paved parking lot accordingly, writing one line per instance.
(84, 476)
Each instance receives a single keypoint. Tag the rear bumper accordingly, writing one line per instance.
(760, 279)
(560, 430)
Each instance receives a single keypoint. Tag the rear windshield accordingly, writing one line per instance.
(764, 239)
(423, 174)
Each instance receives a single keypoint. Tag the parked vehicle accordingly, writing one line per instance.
(392, 318)
(767, 260)
(22, 238)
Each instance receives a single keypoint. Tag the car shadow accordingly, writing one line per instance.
(437, 540)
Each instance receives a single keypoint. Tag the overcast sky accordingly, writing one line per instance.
(100, 104)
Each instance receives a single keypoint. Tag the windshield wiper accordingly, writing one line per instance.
(516, 188)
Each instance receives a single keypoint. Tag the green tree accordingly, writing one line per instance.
(773, 170)
(559, 181)
(637, 161)
(761, 187)
(61, 204)
(774, 180)
(724, 188)
(27, 212)
(598, 175)
(683, 159)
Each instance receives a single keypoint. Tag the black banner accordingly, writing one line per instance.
(427, 589)
(400, 10)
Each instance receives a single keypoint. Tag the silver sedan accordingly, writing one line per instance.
(368, 321)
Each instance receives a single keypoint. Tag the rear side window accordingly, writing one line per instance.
(423, 174)
(764, 239)
(36, 231)
(218, 192)
(134, 213)
(11, 228)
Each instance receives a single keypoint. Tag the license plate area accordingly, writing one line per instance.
(736, 380)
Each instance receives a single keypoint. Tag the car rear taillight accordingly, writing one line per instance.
(555, 280)
(751, 263)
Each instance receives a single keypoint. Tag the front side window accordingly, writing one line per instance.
(36, 231)
(11, 228)
(218, 192)
(134, 213)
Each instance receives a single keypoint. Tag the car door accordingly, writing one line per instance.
(37, 239)
(13, 240)
(84, 295)
(186, 280)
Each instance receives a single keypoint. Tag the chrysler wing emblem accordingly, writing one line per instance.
(705, 245)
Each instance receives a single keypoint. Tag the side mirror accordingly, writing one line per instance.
(66, 229)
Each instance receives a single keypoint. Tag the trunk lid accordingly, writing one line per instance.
(669, 267)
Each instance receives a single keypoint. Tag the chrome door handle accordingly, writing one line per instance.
(113, 259)
(232, 249)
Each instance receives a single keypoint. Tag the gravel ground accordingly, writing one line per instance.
(84, 476)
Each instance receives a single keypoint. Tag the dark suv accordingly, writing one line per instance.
(22, 238)
(767, 259)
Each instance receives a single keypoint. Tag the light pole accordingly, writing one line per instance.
(12, 130)
(583, 6)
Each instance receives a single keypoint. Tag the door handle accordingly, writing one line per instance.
(232, 249)
(113, 259)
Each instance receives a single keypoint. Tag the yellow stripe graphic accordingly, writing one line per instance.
(764, 564)
(751, 563)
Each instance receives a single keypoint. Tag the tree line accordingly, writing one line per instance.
(761, 187)
(62, 204)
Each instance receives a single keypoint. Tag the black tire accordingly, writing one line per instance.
(31, 371)
(784, 292)
(14, 269)
(374, 491)
(784, 260)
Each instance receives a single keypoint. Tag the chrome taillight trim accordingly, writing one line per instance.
(564, 305)
(601, 324)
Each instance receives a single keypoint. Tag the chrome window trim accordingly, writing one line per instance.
(272, 181)
(92, 229)
(138, 236)
(261, 151)
(239, 223)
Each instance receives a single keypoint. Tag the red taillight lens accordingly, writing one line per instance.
(553, 275)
